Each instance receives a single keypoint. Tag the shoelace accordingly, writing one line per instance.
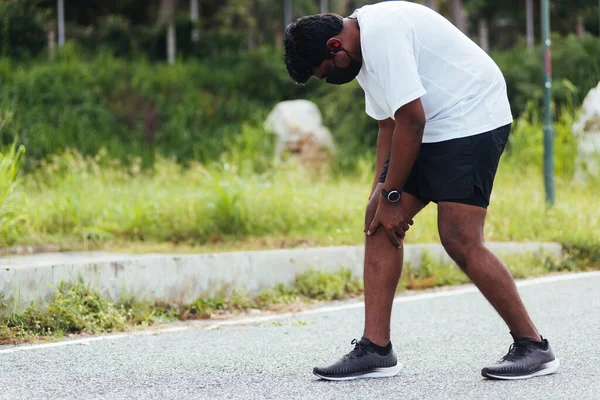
(358, 351)
(516, 351)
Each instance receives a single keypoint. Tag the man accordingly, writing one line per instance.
(444, 120)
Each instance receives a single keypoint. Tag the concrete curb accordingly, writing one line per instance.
(179, 278)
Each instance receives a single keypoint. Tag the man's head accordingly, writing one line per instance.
(324, 45)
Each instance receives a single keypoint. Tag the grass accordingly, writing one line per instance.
(11, 217)
(78, 203)
(76, 309)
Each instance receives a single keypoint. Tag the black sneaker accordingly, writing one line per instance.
(362, 362)
(525, 359)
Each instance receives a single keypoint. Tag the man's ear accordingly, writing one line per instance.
(334, 45)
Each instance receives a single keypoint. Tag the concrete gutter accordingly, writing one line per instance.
(180, 278)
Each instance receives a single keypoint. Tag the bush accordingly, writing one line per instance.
(574, 63)
(525, 148)
(191, 111)
(199, 110)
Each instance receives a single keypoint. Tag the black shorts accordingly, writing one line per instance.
(458, 170)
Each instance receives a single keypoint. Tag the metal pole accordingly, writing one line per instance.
(287, 12)
(530, 26)
(61, 23)
(548, 135)
(324, 7)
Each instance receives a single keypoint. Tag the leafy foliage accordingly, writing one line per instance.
(575, 72)
(191, 111)
(22, 34)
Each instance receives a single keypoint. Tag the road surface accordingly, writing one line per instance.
(443, 340)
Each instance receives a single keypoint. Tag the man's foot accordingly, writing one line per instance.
(366, 361)
(525, 359)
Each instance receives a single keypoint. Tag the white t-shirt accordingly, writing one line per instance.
(410, 51)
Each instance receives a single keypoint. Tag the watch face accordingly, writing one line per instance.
(394, 196)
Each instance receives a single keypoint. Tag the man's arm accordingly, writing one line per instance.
(384, 146)
(406, 143)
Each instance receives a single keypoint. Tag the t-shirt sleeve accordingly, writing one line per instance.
(392, 57)
(372, 108)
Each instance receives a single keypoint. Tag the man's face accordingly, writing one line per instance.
(339, 60)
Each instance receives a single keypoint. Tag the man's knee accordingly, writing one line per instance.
(459, 245)
(380, 252)
(461, 230)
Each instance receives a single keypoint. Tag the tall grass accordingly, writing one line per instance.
(200, 206)
(12, 216)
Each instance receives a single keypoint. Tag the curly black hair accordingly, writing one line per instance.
(305, 43)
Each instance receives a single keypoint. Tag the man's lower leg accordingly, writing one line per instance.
(382, 269)
(494, 280)
(461, 232)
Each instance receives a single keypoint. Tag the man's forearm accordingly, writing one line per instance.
(384, 147)
(406, 143)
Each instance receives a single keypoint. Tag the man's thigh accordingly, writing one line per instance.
(462, 223)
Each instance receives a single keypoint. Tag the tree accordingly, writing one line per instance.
(166, 15)
(287, 12)
(22, 33)
(431, 4)
(530, 24)
(458, 15)
(503, 18)
(194, 16)
(61, 22)
(341, 7)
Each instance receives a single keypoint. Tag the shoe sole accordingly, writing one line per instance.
(545, 369)
(375, 373)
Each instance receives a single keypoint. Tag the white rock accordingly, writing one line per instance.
(587, 131)
(299, 129)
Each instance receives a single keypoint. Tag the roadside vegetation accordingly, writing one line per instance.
(77, 310)
(106, 147)
(245, 200)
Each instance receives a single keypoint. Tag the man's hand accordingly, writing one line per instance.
(372, 206)
(393, 218)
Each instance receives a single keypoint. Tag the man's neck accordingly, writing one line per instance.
(352, 30)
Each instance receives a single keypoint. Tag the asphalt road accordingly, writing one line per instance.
(443, 342)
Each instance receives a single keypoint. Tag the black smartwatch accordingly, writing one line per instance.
(393, 196)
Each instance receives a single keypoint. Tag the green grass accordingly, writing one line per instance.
(76, 309)
(321, 286)
(11, 216)
(80, 204)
